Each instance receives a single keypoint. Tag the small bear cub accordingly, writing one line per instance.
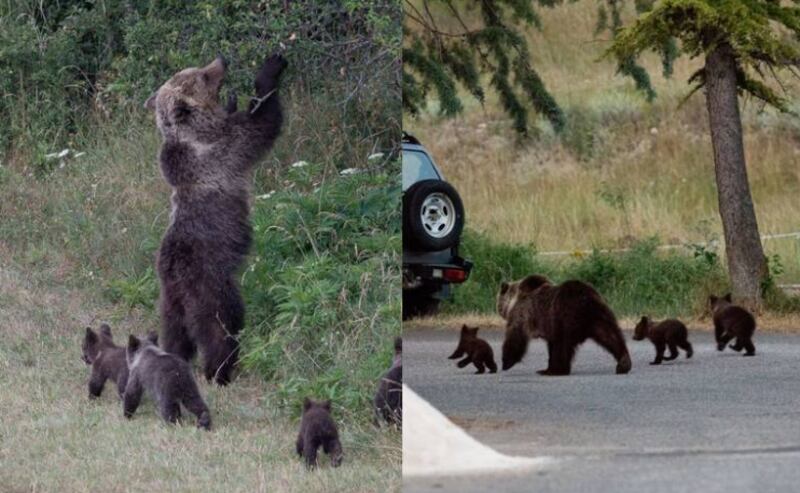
(167, 379)
(318, 429)
(732, 321)
(388, 401)
(475, 350)
(106, 359)
(668, 333)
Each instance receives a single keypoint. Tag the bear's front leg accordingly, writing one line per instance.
(132, 397)
(269, 73)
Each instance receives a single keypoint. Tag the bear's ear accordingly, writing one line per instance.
(91, 337)
(105, 330)
(712, 299)
(532, 282)
(133, 343)
(727, 298)
(307, 404)
(152, 336)
(150, 104)
(327, 405)
(503, 287)
(464, 329)
(644, 320)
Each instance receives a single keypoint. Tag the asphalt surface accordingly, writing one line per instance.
(715, 422)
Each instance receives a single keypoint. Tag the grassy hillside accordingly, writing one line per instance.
(78, 236)
(624, 170)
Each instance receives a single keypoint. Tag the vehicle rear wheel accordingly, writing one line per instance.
(433, 215)
(419, 303)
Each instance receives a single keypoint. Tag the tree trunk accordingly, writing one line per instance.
(747, 265)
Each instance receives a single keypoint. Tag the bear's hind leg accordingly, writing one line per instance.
(480, 366)
(609, 336)
(687, 346)
(749, 348)
(333, 448)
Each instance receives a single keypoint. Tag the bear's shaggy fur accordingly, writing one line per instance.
(106, 359)
(167, 379)
(207, 157)
(670, 333)
(317, 429)
(474, 350)
(564, 315)
(732, 321)
(388, 401)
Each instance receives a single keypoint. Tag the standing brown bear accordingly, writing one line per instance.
(564, 315)
(317, 429)
(207, 157)
(732, 321)
(670, 333)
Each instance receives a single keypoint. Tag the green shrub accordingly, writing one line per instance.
(323, 285)
(642, 280)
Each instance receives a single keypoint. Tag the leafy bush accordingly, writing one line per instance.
(66, 64)
(323, 286)
(639, 281)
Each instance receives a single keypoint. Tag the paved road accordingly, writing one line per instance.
(716, 422)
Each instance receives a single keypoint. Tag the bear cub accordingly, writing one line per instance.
(106, 359)
(670, 333)
(388, 401)
(732, 321)
(318, 429)
(475, 350)
(167, 379)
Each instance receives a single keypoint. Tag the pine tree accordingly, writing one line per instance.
(441, 60)
(742, 42)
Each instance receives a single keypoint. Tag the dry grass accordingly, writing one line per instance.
(53, 438)
(631, 171)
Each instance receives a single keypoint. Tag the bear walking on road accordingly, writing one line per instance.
(564, 315)
(732, 321)
(670, 333)
(207, 156)
(474, 350)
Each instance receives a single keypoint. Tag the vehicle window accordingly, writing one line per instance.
(417, 167)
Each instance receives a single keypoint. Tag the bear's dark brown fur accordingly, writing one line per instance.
(732, 321)
(166, 378)
(106, 359)
(564, 315)
(388, 401)
(207, 157)
(670, 333)
(474, 350)
(317, 429)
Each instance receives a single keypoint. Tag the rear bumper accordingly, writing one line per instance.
(434, 275)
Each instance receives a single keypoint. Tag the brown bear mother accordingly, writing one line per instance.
(564, 315)
(207, 157)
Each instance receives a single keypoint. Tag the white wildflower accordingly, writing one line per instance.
(349, 171)
(299, 164)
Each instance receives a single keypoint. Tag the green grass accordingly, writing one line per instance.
(53, 438)
(77, 246)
